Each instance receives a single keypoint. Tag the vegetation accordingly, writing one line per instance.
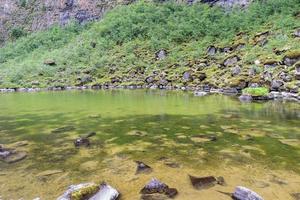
(128, 37)
(259, 91)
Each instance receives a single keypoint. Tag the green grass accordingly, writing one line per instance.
(259, 91)
(128, 37)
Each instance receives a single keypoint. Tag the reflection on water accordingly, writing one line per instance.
(257, 144)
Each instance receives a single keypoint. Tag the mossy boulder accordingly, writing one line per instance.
(85, 192)
(291, 58)
(256, 92)
(231, 60)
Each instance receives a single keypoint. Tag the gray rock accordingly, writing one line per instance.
(161, 54)
(105, 192)
(236, 71)
(211, 50)
(297, 32)
(276, 85)
(230, 91)
(187, 76)
(231, 61)
(242, 193)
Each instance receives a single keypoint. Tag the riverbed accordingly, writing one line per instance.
(256, 145)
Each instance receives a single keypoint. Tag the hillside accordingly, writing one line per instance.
(166, 45)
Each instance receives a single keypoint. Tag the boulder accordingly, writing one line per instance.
(187, 76)
(297, 32)
(90, 191)
(291, 58)
(161, 54)
(202, 76)
(297, 71)
(211, 50)
(236, 71)
(206, 182)
(230, 61)
(276, 85)
(242, 193)
(50, 62)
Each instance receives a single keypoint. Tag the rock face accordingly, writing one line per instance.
(41, 14)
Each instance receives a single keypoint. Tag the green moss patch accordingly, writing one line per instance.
(259, 91)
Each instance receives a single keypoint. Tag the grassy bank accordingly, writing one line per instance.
(121, 48)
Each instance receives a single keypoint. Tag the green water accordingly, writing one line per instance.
(259, 134)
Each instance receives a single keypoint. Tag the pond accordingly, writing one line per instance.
(256, 145)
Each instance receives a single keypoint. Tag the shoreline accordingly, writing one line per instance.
(197, 91)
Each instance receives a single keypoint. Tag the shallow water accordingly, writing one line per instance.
(258, 144)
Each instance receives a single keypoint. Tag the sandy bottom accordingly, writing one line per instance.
(19, 183)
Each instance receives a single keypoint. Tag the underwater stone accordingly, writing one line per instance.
(63, 129)
(245, 98)
(142, 168)
(206, 182)
(242, 193)
(12, 156)
(82, 142)
(155, 187)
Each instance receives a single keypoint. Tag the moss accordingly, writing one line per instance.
(259, 91)
(85, 192)
(269, 62)
(293, 54)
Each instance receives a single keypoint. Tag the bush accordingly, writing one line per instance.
(17, 33)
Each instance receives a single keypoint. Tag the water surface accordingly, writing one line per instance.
(257, 145)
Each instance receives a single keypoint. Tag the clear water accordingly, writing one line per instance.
(258, 144)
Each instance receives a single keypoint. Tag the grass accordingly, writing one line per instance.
(128, 37)
(259, 91)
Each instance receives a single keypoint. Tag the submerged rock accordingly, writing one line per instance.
(63, 129)
(90, 191)
(296, 196)
(142, 168)
(11, 155)
(204, 138)
(245, 98)
(84, 140)
(49, 173)
(137, 133)
(155, 187)
(242, 193)
(206, 182)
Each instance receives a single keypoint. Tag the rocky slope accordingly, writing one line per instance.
(163, 46)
